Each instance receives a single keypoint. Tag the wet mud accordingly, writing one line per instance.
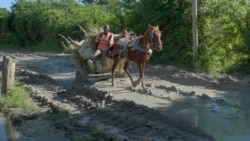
(179, 104)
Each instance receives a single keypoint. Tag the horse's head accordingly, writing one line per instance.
(155, 38)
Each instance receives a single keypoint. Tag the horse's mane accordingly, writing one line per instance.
(156, 28)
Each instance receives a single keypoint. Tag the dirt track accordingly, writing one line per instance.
(67, 110)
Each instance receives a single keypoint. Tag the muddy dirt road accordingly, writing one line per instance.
(181, 105)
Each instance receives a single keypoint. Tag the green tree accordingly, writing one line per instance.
(174, 19)
(224, 36)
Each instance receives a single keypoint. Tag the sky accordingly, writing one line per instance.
(6, 3)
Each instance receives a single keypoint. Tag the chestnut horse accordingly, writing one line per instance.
(139, 51)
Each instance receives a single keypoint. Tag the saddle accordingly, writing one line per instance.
(123, 45)
(119, 47)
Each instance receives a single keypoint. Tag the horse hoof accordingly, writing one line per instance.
(113, 84)
(147, 91)
(134, 84)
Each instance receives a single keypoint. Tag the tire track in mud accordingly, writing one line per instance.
(96, 115)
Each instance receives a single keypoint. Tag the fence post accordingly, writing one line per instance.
(8, 74)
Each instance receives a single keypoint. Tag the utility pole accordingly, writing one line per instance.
(195, 30)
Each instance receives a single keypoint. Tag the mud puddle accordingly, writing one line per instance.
(7, 131)
(226, 118)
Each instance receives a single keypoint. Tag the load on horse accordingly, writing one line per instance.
(84, 50)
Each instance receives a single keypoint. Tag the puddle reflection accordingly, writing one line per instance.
(227, 118)
(7, 131)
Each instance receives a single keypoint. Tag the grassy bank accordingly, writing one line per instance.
(18, 97)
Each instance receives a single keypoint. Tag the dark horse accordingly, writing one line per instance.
(139, 52)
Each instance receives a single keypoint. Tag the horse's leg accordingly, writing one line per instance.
(116, 61)
(120, 66)
(125, 68)
(141, 67)
(142, 75)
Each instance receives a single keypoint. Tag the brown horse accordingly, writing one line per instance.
(139, 51)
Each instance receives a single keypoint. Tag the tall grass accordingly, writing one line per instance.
(18, 97)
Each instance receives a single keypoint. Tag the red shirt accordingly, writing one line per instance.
(105, 41)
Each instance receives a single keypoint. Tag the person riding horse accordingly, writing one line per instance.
(116, 48)
(104, 41)
(124, 34)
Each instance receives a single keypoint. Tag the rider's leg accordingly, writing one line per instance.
(95, 57)
(103, 57)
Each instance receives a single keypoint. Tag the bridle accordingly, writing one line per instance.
(152, 36)
(155, 44)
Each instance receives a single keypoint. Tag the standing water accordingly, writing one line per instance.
(7, 132)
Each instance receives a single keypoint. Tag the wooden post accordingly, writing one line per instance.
(195, 30)
(8, 74)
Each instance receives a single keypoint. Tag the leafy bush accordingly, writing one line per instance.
(224, 42)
